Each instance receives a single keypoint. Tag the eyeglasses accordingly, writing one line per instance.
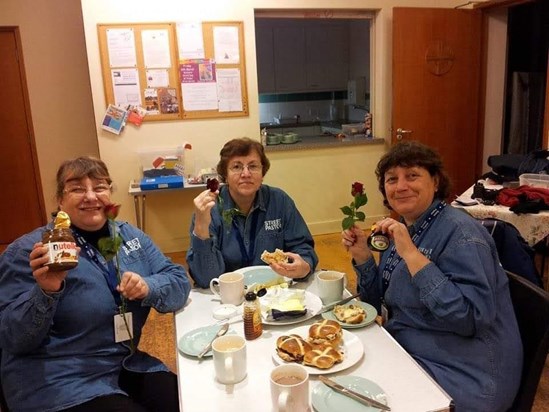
(238, 168)
(80, 191)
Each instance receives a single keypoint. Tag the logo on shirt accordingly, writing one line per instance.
(273, 224)
(131, 246)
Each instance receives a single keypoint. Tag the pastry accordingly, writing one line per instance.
(277, 256)
(326, 331)
(292, 348)
(351, 314)
(322, 357)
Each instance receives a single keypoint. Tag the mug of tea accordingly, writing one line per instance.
(290, 388)
(229, 287)
(330, 285)
(229, 358)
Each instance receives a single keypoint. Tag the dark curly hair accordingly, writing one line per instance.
(413, 154)
(240, 147)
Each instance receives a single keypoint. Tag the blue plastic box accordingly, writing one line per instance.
(161, 182)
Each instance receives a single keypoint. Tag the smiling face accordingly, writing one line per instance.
(84, 200)
(244, 177)
(410, 190)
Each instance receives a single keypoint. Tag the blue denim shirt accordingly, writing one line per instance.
(278, 224)
(58, 351)
(455, 316)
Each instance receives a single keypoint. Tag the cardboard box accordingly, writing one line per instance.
(161, 182)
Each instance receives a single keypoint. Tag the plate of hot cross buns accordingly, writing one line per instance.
(323, 347)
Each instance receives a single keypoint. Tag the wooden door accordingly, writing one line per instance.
(21, 204)
(436, 81)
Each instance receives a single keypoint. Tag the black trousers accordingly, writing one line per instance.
(148, 392)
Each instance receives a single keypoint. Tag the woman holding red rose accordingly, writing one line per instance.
(440, 285)
(233, 224)
(64, 340)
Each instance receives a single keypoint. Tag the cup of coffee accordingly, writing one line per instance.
(229, 287)
(229, 358)
(290, 388)
(330, 285)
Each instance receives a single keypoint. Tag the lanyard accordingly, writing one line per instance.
(109, 271)
(247, 256)
(393, 261)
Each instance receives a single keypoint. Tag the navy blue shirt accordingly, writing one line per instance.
(273, 222)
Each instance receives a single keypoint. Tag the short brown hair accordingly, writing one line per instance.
(240, 147)
(411, 154)
(76, 169)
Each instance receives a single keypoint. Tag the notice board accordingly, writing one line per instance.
(143, 66)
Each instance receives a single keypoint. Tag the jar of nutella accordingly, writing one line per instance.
(62, 253)
(378, 241)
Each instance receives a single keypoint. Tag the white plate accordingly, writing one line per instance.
(194, 341)
(325, 399)
(352, 349)
(258, 274)
(313, 304)
(371, 314)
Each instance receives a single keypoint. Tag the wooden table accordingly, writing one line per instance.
(385, 362)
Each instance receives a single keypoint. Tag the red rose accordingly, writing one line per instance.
(212, 184)
(357, 189)
(111, 210)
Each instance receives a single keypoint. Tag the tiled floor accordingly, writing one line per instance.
(159, 337)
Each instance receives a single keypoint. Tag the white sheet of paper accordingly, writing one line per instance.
(121, 46)
(229, 91)
(226, 45)
(125, 83)
(120, 330)
(189, 40)
(156, 48)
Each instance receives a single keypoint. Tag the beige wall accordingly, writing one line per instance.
(56, 69)
(318, 180)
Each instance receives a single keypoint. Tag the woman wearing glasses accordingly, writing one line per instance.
(234, 225)
(65, 345)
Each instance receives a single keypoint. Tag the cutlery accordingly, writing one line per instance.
(219, 333)
(326, 308)
(353, 395)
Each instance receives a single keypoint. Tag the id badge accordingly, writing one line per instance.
(384, 314)
(121, 332)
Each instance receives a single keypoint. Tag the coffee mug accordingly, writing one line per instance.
(290, 388)
(229, 358)
(330, 285)
(229, 287)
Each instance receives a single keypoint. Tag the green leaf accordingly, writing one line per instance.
(360, 216)
(108, 246)
(347, 223)
(347, 210)
(361, 200)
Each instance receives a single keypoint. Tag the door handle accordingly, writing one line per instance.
(401, 132)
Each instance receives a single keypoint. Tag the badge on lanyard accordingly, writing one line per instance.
(121, 332)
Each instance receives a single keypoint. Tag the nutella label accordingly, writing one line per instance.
(61, 252)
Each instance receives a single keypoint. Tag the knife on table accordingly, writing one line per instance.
(219, 333)
(326, 308)
(353, 395)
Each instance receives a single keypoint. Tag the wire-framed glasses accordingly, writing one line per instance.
(238, 168)
(80, 191)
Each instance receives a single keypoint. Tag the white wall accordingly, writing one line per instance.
(319, 180)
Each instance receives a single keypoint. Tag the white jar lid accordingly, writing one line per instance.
(225, 311)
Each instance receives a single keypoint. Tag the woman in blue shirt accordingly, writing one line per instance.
(60, 347)
(440, 285)
(253, 218)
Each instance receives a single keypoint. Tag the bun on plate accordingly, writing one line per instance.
(277, 256)
(292, 348)
(351, 314)
(326, 331)
(322, 357)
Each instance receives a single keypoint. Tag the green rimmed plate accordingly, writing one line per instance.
(371, 314)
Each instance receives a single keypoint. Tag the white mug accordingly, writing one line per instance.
(229, 287)
(290, 388)
(229, 358)
(330, 285)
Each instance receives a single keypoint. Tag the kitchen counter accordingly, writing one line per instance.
(324, 141)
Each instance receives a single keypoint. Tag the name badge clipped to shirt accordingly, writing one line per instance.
(121, 332)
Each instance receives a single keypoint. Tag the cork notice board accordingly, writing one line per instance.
(142, 66)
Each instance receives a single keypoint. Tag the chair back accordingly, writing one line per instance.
(531, 305)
